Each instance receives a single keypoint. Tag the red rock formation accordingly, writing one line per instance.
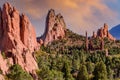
(28, 35)
(103, 32)
(94, 35)
(17, 38)
(86, 42)
(55, 27)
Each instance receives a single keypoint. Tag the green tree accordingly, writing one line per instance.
(110, 73)
(90, 67)
(50, 75)
(100, 72)
(18, 73)
(76, 61)
(67, 70)
(83, 74)
(82, 56)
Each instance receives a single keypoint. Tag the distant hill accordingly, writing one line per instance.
(115, 31)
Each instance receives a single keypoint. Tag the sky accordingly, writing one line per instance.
(79, 15)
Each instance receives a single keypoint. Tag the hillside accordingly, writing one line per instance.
(115, 31)
(67, 59)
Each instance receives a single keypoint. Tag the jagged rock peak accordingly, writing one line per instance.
(106, 26)
(17, 39)
(55, 27)
(103, 32)
(51, 13)
(7, 6)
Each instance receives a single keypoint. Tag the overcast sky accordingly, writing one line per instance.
(79, 15)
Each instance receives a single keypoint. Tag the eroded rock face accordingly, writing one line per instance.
(103, 32)
(55, 27)
(28, 35)
(17, 38)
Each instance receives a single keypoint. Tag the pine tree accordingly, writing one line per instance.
(67, 70)
(100, 72)
(83, 74)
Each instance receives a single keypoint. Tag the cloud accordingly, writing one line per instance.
(87, 15)
(64, 4)
(80, 15)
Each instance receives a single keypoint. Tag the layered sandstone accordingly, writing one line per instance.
(55, 28)
(17, 39)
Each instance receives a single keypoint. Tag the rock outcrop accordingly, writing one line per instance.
(55, 28)
(17, 38)
(99, 38)
(94, 35)
(103, 32)
(86, 42)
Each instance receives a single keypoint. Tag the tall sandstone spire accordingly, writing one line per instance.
(55, 27)
(86, 42)
(17, 39)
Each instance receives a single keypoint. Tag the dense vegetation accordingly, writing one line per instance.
(17, 73)
(67, 59)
